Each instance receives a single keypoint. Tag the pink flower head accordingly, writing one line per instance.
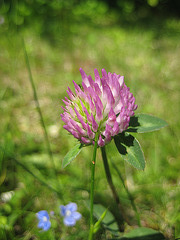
(104, 106)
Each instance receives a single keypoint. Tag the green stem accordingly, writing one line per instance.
(113, 189)
(128, 193)
(92, 187)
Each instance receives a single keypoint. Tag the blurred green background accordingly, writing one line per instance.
(137, 39)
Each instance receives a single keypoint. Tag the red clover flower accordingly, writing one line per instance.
(104, 106)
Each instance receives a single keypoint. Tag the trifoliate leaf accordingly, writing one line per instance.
(130, 149)
(142, 233)
(143, 123)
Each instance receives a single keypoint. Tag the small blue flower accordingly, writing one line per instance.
(70, 214)
(43, 218)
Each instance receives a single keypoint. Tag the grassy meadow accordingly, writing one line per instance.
(147, 55)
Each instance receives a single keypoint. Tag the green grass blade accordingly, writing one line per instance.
(36, 174)
(37, 105)
(128, 193)
(71, 155)
(98, 223)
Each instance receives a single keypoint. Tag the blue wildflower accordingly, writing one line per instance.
(44, 221)
(70, 214)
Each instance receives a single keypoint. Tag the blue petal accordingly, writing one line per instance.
(63, 210)
(76, 215)
(40, 224)
(42, 214)
(71, 207)
(69, 221)
(47, 225)
(44, 225)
